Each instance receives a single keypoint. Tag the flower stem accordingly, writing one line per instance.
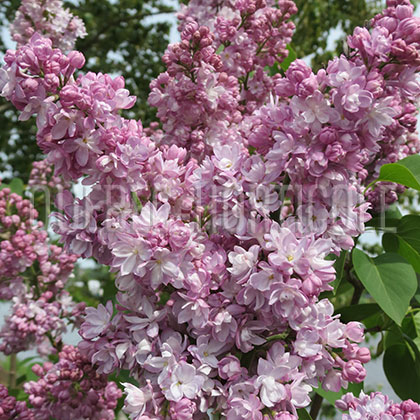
(12, 371)
(316, 406)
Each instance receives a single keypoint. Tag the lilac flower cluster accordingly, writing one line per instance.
(194, 81)
(33, 273)
(10, 409)
(47, 17)
(339, 126)
(218, 226)
(71, 389)
(24, 242)
(218, 88)
(240, 305)
(42, 176)
(377, 406)
(21, 240)
(250, 35)
(39, 321)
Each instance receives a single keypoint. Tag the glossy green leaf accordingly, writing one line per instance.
(389, 279)
(393, 336)
(416, 322)
(389, 218)
(358, 312)
(370, 314)
(400, 370)
(415, 353)
(392, 242)
(406, 240)
(408, 327)
(405, 172)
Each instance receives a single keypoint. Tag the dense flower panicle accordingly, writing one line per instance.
(376, 406)
(22, 239)
(253, 34)
(71, 389)
(216, 88)
(11, 409)
(38, 321)
(33, 273)
(170, 368)
(42, 178)
(24, 243)
(48, 18)
(219, 225)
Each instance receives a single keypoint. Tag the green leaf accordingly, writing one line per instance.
(303, 414)
(400, 370)
(415, 353)
(389, 279)
(406, 241)
(28, 360)
(405, 172)
(19, 394)
(390, 242)
(21, 379)
(17, 186)
(358, 312)
(370, 314)
(393, 336)
(251, 150)
(339, 264)
(389, 218)
(164, 297)
(408, 327)
(344, 287)
(289, 59)
(416, 322)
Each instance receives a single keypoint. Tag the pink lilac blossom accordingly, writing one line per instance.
(33, 274)
(71, 389)
(376, 406)
(38, 321)
(43, 179)
(23, 243)
(12, 409)
(215, 87)
(49, 18)
(218, 226)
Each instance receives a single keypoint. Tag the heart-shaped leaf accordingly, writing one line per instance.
(405, 172)
(400, 370)
(406, 240)
(389, 279)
